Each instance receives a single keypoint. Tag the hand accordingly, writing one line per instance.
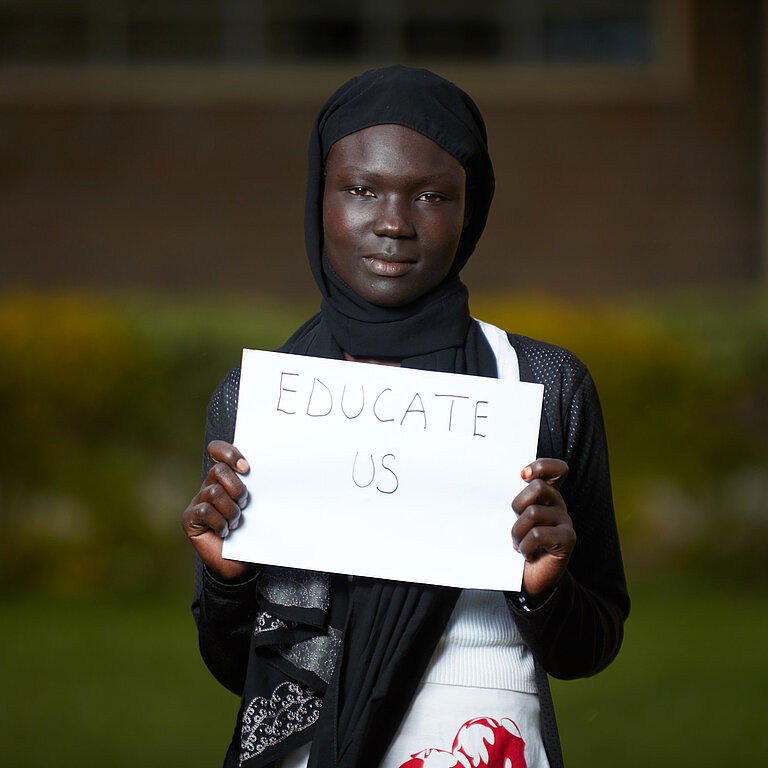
(543, 532)
(216, 510)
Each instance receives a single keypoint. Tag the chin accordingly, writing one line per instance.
(393, 294)
(390, 302)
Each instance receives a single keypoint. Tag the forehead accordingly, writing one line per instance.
(392, 147)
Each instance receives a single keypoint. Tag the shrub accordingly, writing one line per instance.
(103, 403)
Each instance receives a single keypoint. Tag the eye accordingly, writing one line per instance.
(431, 197)
(360, 192)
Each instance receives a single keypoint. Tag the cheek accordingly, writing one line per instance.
(338, 224)
(445, 236)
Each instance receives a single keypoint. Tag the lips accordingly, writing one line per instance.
(388, 266)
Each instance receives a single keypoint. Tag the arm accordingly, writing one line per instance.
(224, 602)
(224, 613)
(575, 626)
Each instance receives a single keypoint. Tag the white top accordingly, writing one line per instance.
(477, 704)
(482, 647)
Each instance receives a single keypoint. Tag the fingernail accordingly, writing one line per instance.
(225, 532)
(527, 473)
(242, 465)
(243, 500)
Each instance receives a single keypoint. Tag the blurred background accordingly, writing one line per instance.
(152, 167)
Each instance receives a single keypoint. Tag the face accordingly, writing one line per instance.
(393, 213)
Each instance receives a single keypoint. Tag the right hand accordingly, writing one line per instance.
(216, 510)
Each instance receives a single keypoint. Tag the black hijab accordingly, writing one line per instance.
(435, 326)
(383, 632)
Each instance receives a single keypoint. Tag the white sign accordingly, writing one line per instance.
(381, 471)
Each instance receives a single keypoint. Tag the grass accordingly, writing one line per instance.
(686, 689)
(94, 682)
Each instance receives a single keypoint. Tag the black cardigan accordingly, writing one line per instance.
(576, 632)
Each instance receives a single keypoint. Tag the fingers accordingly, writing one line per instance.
(554, 538)
(537, 491)
(212, 509)
(221, 451)
(551, 471)
(222, 475)
(217, 506)
(543, 523)
(537, 516)
(209, 545)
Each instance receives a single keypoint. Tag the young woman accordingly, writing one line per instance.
(340, 671)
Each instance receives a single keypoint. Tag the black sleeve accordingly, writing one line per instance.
(579, 629)
(224, 612)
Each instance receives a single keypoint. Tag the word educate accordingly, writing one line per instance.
(383, 404)
(296, 396)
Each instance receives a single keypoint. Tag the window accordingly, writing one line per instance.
(526, 31)
(293, 49)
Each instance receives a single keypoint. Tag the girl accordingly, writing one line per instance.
(340, 671)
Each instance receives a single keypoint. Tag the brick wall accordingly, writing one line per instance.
(601, 197)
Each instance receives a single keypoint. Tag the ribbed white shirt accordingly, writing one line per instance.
(482, 647)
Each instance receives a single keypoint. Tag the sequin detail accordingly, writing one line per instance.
(317, 654)
(290, 709)
(297, 588)
(266, 622)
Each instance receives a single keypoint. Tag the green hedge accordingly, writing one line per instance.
(683, 382)
(103, 406)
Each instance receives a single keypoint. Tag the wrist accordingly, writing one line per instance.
(530, 601)
(232, 581)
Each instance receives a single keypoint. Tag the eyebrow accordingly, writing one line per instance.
(422, 180)
(366, 171)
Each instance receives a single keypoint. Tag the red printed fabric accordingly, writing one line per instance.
(480, 743)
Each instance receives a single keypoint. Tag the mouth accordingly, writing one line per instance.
(388, 266)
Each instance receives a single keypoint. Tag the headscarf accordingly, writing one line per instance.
(422, 101)
(345, 659)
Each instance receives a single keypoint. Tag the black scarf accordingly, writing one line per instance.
(339, 661)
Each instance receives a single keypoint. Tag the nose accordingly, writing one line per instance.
(393, 219)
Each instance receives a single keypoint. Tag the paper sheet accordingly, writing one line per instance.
(381, 471)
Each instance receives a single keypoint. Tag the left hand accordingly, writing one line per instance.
(543, 532)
